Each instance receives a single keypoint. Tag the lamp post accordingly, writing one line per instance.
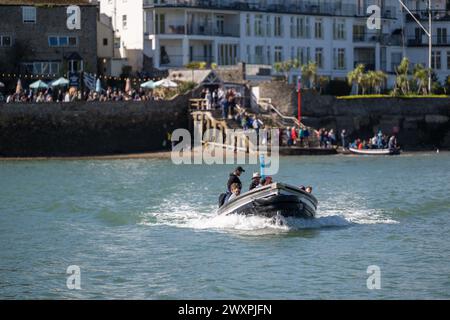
(429, 33)
(299, 98)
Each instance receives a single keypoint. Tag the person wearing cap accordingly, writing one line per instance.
(256, 179)
(234, 178)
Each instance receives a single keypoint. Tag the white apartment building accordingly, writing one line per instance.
(171, 33)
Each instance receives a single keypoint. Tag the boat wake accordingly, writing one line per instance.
(186, 217)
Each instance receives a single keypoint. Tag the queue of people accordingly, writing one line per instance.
(293, 136)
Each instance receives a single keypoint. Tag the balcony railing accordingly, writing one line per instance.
(366, 37)
(436, 41)
(210, 29)
(436, 15)
(171, 60)
(289, 6)
(207, 29)
(369, 64)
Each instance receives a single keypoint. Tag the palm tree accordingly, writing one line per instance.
(402, 81)
(309, 71)
(420, 75)
(366, 82)
(286, 67)
(323, 82)
(376, 80)
(355, 76)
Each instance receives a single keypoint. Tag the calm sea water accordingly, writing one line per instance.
(146, 229)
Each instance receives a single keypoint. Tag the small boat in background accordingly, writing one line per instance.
(375, 152)
(277, 199)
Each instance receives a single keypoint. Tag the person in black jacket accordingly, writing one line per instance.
(234, 178)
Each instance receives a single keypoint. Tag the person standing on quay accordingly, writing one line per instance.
(344, 139)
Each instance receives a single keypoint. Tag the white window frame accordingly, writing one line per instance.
(10, 41)
(58, 40)
(28, 13)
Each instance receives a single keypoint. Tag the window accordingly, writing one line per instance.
(160, 23)
(259, 55)
(303, 55)
(220, 24)
(319, 57)
(278, 28)
(5, 41)
(359, 33)
(105, 41)
(248, 27)
(62, 41)
(45, 67)
(53, 41)
(442, 35)
(318, 29)
(278, 54)
(436, 60)
(448, 60)
(268, 27)
(29, 14)
(339, 29)
(300, 27)
(339, 58)
(259, 30)
(73, 41)
(75, 66)
(124, 21)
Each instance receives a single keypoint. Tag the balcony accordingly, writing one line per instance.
(210, 29)
(437, 15)
(436, 41)
(366, 37)
(369, 64)
(193, 29)
(330, 8)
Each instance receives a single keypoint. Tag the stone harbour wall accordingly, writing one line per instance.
(89, 128)
(423, 123)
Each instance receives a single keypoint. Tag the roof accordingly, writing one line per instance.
(46, 2)
(197, 76)
(231, 75)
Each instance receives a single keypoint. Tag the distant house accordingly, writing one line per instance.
(48, 37)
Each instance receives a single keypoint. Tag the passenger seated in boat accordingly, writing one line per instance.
(256, 179)
(265, 182)
(235, 192)
(309, 189)
(302, 188)
(234, 178)
(269, 181)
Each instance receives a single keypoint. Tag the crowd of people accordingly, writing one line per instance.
(293, 136)
(70, 95)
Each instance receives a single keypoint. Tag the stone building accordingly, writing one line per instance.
(44, 37)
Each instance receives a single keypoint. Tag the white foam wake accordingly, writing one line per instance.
(187, 217)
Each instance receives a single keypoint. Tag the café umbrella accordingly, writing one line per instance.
(61, 82)
(166, 83)
(128, 85)
(39, 85)
(19, 88)
(148, 85)
(98, 86)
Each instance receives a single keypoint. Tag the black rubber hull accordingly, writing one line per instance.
(284, 205)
